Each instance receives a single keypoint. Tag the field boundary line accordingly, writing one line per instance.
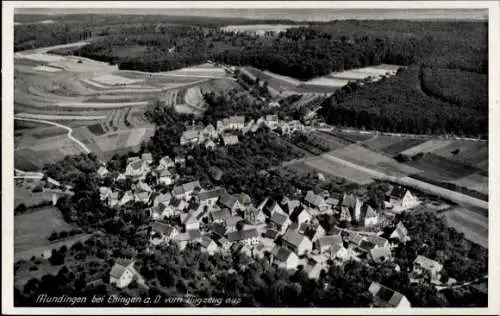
(69, 129)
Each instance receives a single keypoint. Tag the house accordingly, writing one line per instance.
(423, 265)
(377, 240)
(104, 193)
(189, 137)
(229, 140)
(269, 207)
(324, 243)
(133, 159)
(163, 198)
(122, 274)
(113, 199)
(209, 144)
(210, 198)
(222, 125)
(368, 216)
(280, 222)
(221, 216)
(210, 132)
(301, 216)
(147, 158)
(218, 230)
(345, 214)
(244, 199)
(166, 163)
(142, 196)
(296, 242)
(121, 177)
(289, 206)
(272, 121)
(314, 200)
(365, 247)
(380, 254)
(102, 171)
(231, 223)
(332, 202)
(165, 177)
(127, 197)
(271, 234)
(385, 297)
(225, 244)
(236, 122)
(248, 127)
(247, 237)
(354, 239)
(163, 232)
(209, 245)
(284, 127)
(193, 235)
(254, 215)
(180, 161)
(285, 258)
(137, 168)
(171, 209)
(184, 191)
(337, 252)
(400, 233)
(274, 104)
(296, 126)
(229, 201)
(312, 230)
(402, 199)
(354, 204)
(190, 222)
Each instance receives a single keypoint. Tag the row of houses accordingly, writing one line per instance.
(210, 135)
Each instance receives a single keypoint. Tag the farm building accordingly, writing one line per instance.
(122, 274)
(230, 140)
(247, 237)
(385, 297)
(401, 199)
(285, 258)
(184, 191)
(296, 242)
(423, 265)
(400, 233)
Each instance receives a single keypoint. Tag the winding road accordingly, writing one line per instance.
(69, 129)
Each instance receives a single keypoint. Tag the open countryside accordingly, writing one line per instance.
(288, 164)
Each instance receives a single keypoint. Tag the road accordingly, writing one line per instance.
(414, 183)
(69, 129)
(60, 117)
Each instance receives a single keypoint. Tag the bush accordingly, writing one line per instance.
(37, 189)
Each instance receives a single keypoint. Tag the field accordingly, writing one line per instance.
(473, 225)
(392, 145)
(258, 28)
(32, 228)
(103, 105)
(327, 166)
(23, 195)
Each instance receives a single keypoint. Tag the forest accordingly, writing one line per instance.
(399, 104)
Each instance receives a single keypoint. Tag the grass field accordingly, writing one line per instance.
(329, 167)
(392, 145)
(473, 225)
(428, 146)
(351, 137)
(475, 181)
(23, 195)
(441, 169)
(32, 229)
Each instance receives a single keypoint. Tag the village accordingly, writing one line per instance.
(284, 231)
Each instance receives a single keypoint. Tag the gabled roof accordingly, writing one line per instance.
(293, 238)
(142, 195)
(190, 134)
(401, 231)
(233, 220)
(383, 296)
(228, 200)
(230, 139)
(398, 192)
(206, 241)
(117, 271)
(194, 234)
(279, 218)
(314, 199)
(147, 156)
(328, 241)
(427, 263)
(311, 229)
(366, 245)
(242, 235)
(132, 159)
(381, 252)
(142, 187)
(368, 212)
(162, 228)
(218, 229)
(271, 117)
(209, 128)
(221, 215)
(345, 214)
(350, 200)
(188, 219)
(164, 173)
(236, 119)
(377, 240)
(282, 254)
(271, 234)
(355, 238)
(186, 187)
(215, 193)
(244, 198)
(136, 165)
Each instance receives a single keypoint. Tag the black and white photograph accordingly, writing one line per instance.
(215, 156)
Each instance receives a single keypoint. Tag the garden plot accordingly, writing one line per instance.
(438, 168)
(476, 182)
(466, 152)
(402, 145)
(428, 146)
